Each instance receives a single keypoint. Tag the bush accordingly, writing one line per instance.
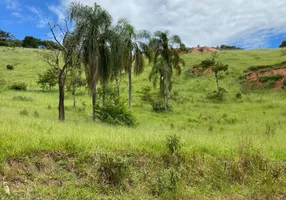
(4, 44)
(116, 114)
(159, 106)
(18, 86)
(24, 112)
(146, 94)
(48, 79)
(10, 67)
(173, 143)
(36, 114)
(273, 77)
(284, 83)
(113, 170)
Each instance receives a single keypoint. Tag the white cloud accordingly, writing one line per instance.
(17, 15)
(206, 22)
(11, 4)
(58, 11)
(41, 18)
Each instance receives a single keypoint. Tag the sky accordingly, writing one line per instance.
(245, 23)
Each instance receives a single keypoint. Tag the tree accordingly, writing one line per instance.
(216, 67)
(74, 82)
(91, 26)
(283, 44)
(132, 54)
(62, 60)
(48, 44)
(31, 42)
(48, 79)
(226, 47)
(166, 59)
(4, 36)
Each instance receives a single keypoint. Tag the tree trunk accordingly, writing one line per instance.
(103, 95)
(117, 90)
(74, 101)
(61, 106)
(166, 93)
(93, 103)
(117, 85)
(130, 81)
(216, 79)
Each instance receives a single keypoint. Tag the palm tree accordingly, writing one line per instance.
(166, 59)
(132, 52)
(91, 26)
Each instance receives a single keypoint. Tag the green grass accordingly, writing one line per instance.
(215, 129)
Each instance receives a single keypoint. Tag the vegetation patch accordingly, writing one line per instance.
(18, 86)
(263, 68)
(266, 77)
(150, 176)
(22, 98)
(272, 77)
(10, 67)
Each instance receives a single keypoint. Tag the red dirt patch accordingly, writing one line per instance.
(199, 50)
(197, 71)
(253, 77)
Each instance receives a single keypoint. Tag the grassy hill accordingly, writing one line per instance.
(231, 149)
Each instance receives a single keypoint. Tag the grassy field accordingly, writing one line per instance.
(231, 149)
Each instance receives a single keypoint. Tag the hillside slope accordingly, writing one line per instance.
(254, 121)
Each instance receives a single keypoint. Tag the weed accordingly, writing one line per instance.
(36, 114)
(113, 170)
(270, 129)
(173, 143)
(272, 77)
(22, 98)
(24, 112)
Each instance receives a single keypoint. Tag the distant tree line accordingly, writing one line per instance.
(227, 47)
(9, 40)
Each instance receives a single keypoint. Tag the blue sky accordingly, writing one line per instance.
(248, 24)
(26, 17)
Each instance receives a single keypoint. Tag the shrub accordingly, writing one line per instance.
(207, 63)
(166, 184)
(113, 170)
(4, 44)
(10, 67)
(173, 143)
(116, 114)
(284, 83)
(238, 95)
(24, 112)
(271, 84)
(146, 94)
(48, 79)
(18, 86)
(272, 77)
(159, 106)
(36, 114)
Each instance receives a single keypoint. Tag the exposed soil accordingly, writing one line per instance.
(253, 77)
(197, 71)
(199, 50)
